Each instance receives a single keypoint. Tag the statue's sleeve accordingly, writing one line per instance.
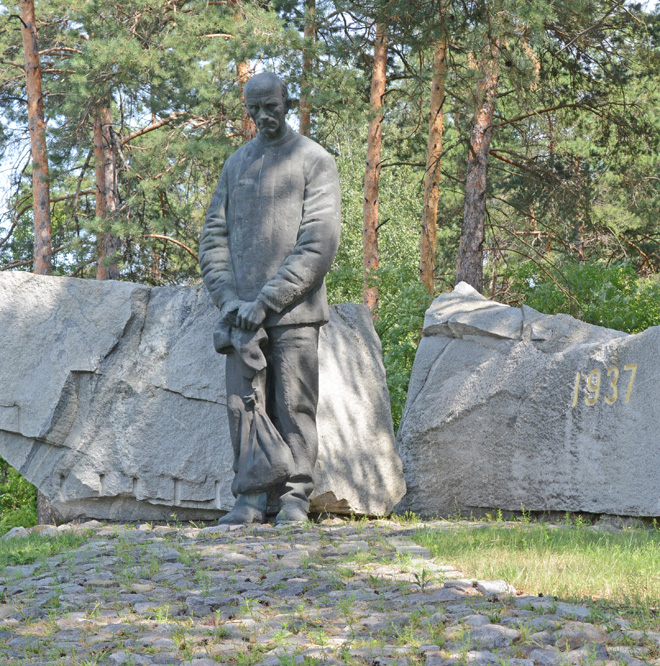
(214, 254)
(317, 241)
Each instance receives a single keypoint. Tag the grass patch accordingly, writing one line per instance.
(36, 546)
(570, 562)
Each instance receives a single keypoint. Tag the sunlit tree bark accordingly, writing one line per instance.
(470, 267)
(307, 69)
(432, 176)
(42, 261)
(106, 193)
(372, 173)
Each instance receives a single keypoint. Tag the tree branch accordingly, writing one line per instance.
(594, 25)
(13, 64)
(26, 262)
(384, 165)
(176, 242)
(540, 111)
(497, 156)
(10, 232)
(25, 25)
(150, 128)
(76, 196)
(647, 259)
(72, 196)
(58, 49)
(52, 201)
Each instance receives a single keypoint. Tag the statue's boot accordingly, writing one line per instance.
(249, 508)
(293, 508)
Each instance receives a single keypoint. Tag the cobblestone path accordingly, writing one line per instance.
(335, 593)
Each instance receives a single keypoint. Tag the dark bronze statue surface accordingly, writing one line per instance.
(270, 236)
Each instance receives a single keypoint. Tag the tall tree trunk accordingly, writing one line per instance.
(372, 173)
(243, 73)
(307, 69)
(98, 164)
(43, 250)
(427, 243)
(470, 266)
(106, 193)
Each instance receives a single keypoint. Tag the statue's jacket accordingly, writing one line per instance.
(272, 229)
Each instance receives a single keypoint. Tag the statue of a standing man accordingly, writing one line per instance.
(270, 236)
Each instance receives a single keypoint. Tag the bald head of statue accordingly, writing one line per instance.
(267, 103)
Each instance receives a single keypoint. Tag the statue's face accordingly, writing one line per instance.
(267, 107)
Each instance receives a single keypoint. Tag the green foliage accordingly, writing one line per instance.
(613, 296)
(153, 67)
(403, 302)
(402, 298)
(18, 500)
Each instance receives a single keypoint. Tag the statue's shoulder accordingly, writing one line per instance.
(313, 151)
(235, 158)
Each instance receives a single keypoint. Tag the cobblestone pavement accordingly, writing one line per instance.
(337, 592)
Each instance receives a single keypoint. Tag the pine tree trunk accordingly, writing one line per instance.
(243, 73)
(307, 69)
(106, 187)
(43, 250)
(372, 173)
(98, 163)
(427, 244)
(248, 128)
(470, 266)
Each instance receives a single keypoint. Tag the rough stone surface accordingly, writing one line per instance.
(112, 402)
(16, 532)
(493, 418)
(223, 599)
(495, 588)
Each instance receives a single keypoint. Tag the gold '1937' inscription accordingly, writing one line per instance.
(594, 380)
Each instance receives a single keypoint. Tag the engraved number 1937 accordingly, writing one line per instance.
(594, 382)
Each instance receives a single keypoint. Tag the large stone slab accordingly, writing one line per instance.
(112, 402)
(510, 408)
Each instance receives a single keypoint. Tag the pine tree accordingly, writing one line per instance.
(37, 126)
(373, 168)
(307, 68)
(470, 252)
(167, 77)
(428, 239)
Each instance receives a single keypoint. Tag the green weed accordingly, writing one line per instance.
(423, 579)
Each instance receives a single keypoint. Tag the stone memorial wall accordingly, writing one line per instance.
(112, 402)
(509, 408)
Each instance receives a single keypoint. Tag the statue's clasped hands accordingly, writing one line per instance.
(248, 315)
